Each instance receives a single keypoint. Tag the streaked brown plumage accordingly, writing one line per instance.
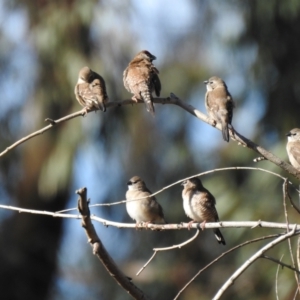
(146, 210)
(141, 79)
(199, 205)
(90, 90)
(293, 147)
(219, 104)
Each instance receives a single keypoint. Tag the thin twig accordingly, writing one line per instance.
(146, 264)
(250, 261)
(221, 256)
(223, 224)
(168, 248)
(179, 245)
(100, 251)
(276, 279)
(178, 182)
(279, 262)
(284, 190)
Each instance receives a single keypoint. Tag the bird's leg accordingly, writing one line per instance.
(212, 122)
(190, 224)
(135, 98)
(202, 225)
(137, 225)
(84, 111)
(147, 223)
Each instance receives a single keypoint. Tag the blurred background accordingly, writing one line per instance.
(253, 45)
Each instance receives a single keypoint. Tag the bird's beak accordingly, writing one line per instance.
(153, 57)
(129, 183)
(205, 82)
(288, 134)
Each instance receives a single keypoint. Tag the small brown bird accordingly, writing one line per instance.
(90, 90)
(141, 79)
(293, 147)
(146, 210)
(199, 205)
(219, 103)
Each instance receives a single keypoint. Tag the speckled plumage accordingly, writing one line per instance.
(146, 210)
(293, 147)
(141, 79)
(90, 90)
(219, 103)
(199, 204)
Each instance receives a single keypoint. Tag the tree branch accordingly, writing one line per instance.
(100, 251)
(173, 99)
(279, 262)
(179, 226)
(250, 261)
(221, 256)
(166, 249)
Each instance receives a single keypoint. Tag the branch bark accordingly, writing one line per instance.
(250, 261)
(100, 251)
(173, 99)
(176, 226)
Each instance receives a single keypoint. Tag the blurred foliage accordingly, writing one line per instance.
(253, 45)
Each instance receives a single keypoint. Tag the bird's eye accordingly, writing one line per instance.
(211, 82)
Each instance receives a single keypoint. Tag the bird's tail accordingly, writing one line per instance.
(219, 237)
(225, 131)
(102, 106)
(146, 95)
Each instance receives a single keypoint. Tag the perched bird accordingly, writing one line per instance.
(90, 90)
(141, 79)
(199, 205)
(146, 210)
(219, 103)
(293, 147)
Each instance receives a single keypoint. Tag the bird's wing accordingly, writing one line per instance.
(295, 151)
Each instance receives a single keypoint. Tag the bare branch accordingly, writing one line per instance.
(221, 256)
(179, 245)
(227, 224)
(238, 137)
(146, 264)
(173, 99)
(276, 284)
(100, 251)
(251, 260)
(181, 180)
(279, 262)
(284, 190)
(287, 194)
(168, 248)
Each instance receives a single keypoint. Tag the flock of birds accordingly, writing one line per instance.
(141, 79)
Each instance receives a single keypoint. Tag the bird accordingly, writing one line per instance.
(90, 90)
(293, 147)
(146, 210)
(141, 79)
(199, 205)
(219, 103)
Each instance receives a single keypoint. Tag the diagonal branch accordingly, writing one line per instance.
(284, 190)
(173, 99)
(100, 251)
(279, 262)
(250, 261)
(166, 249)
(221, 256)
